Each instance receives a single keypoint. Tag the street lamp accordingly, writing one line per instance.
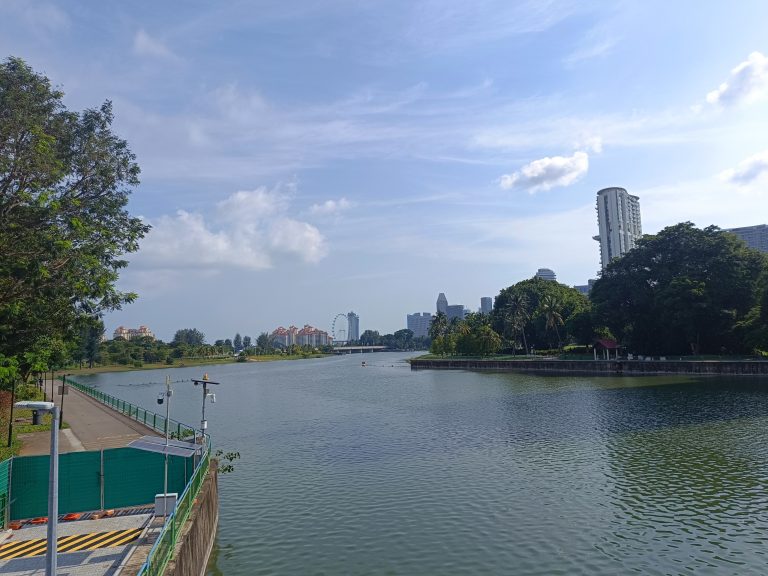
(160, 397)
(206, 394)
(53, 480)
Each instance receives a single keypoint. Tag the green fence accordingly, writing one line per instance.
(114, 478)
(5, 474)
(163, 549)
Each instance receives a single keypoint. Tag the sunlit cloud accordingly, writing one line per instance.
(331, 207)
(748, 170)
(146, 45)
(546, 173)
(748, 82)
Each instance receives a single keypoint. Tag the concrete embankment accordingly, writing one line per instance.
(606, 367)
(196, 542)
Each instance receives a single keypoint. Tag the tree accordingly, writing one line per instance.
(438, 326)
(684, 290)
(515, 316)
(238, 342)
(246, 341)
(370, 338)
(263, 342)
(534, 328)
(188, 336)
(65, 179)
(550, 307)
(403, 338)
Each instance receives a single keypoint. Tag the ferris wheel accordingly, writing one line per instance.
(339, 328)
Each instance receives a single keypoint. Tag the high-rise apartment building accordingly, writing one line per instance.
(353, 327)
(486, 305)
(455, 311)
(442, 304)
(756, 237)
(618, 219)
(419, 323)
(546, 274)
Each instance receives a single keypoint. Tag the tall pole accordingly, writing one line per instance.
(63, 389)
(53, 495)
(167, 416)
(10, 417)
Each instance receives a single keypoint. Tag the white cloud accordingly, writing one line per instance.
(331, 207)
(748, 82)
(247, 230)
(549, 172)
(145, 45)
(748, 170)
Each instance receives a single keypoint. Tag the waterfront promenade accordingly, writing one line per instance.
(92, 426)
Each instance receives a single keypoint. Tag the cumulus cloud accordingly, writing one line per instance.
(748, 170)
(331, 207)
(546, 173)
(748, 82)
(247, 230)
(145, 45)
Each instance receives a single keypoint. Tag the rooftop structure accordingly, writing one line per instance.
(546, 274)
(442, 304)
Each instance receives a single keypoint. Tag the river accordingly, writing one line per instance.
(378, 470)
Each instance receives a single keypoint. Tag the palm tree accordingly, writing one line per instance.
(516, 316)
(550, 307)
(439, 326)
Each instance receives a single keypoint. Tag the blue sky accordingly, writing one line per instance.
(302, 159)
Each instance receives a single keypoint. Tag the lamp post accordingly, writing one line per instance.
(160, 398)
(53, 481)
(206, 394)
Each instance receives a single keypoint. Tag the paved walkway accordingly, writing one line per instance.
(93, 426)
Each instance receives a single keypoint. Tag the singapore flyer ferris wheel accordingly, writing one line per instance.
(340, 328)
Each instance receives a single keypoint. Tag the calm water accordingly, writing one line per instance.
(380, 470)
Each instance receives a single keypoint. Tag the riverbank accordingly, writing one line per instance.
(186, 363)
(604, 367)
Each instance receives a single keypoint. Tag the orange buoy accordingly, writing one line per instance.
(71, 516)
(39, 520)
(14, 525)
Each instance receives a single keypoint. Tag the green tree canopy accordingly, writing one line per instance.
(684, 290)
(65, 178)
(188, 336)
(518, 311)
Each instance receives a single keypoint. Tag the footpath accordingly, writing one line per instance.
(92, 426)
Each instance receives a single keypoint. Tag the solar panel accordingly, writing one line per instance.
(157, 444)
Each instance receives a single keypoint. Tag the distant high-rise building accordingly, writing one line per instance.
(756, 237)
(455, 311)
(133, 333)
(585, 288)
(486, 305)
(353, 326)
(442, 304)
(419, 324)
(618, 219)
(546, 274)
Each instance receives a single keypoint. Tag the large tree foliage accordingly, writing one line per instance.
(685, 290)
(536, 313)
(65, 178)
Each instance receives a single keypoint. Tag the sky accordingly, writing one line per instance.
(303, 159)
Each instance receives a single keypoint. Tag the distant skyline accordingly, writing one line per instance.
(304, 159)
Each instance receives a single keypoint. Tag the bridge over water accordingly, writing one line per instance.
(358, 349)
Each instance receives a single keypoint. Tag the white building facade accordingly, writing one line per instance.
(618, 219)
